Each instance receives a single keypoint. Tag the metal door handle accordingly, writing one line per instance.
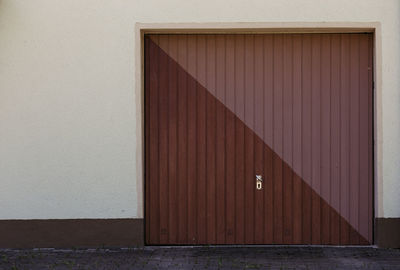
(259, 182)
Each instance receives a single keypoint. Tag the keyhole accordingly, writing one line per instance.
(259, 185)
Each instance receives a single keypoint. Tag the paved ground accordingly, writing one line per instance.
(255, 257)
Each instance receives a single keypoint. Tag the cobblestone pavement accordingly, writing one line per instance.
(255, 257)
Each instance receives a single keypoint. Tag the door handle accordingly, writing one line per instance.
(259, 181)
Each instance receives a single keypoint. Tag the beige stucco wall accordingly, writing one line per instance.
(70, 115)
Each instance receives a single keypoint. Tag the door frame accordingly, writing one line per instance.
(259, 28)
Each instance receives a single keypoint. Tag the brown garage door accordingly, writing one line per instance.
(292, 110)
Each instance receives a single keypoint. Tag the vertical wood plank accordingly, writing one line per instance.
(147, 136)
(221, 138)
(354, 136)
(287, 139)
(297, 140)
(335, 138)
(316, 137)
(163, 94)
(306, 138)
(154, 150)
(364, 133)
(192, 140)
(258, 138)
(211, 140)
(173, 142)
(268, 138)
(182, 141)
(230, 139)
(344, 138)
(201, 141)
(278, 139)
(370, 139)
(239, 139)
(325, 137)
(249, 138)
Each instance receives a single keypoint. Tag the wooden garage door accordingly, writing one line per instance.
(294, 109)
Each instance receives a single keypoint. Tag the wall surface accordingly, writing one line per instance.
(70, 130)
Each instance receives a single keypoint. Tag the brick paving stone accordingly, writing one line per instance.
(204, 257)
